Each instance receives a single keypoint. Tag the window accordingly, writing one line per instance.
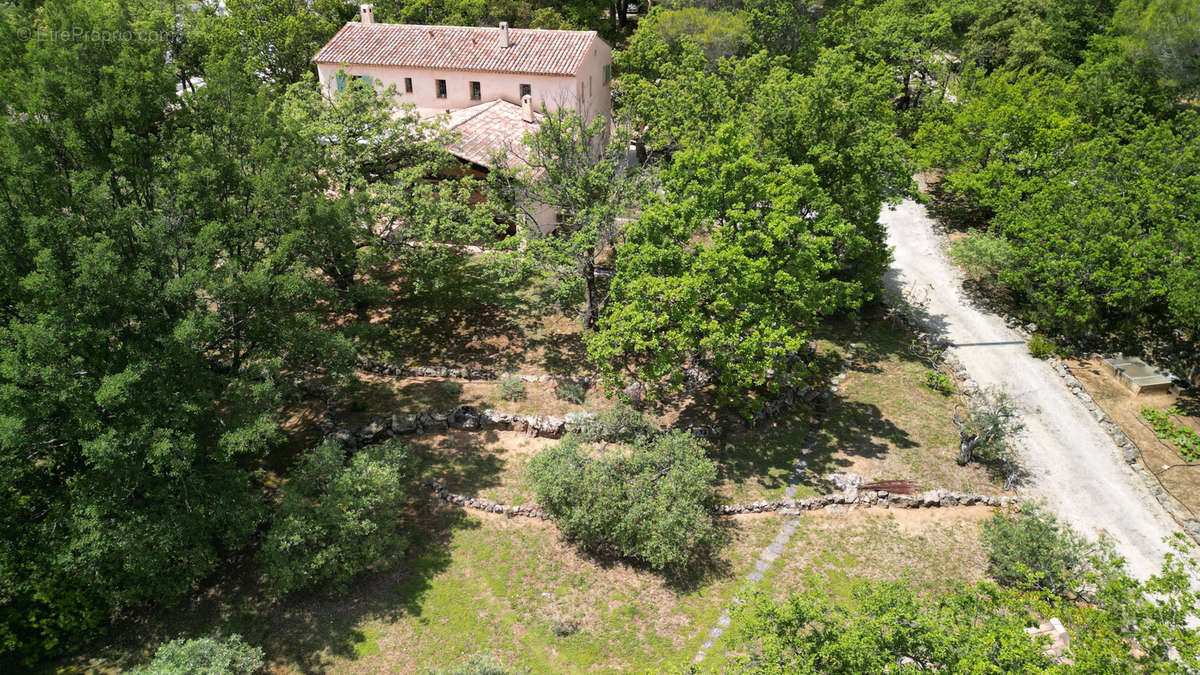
(340, 80)
(526, 90)
(408, 85)
(476, 94)
(607, 73)
(589, 86)
(441, 88)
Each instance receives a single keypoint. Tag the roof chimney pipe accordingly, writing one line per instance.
(527, 108)
(504, 41)
(366, 14)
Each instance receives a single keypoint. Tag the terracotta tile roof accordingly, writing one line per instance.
(534, 51)
(489, 128)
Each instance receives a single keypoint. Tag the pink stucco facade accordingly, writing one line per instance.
(585, 91)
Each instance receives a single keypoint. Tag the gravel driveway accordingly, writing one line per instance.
(1072, 463)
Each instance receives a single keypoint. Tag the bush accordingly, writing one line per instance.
(478, 664)
(452, 390)
(337, 518)
(652, 503)
(205, 656)
(619, 424)
(1041, 347)
(512, 388)
(939, 382)
(1034, 550)
(982, 254)
(987, 431)
(571, 391)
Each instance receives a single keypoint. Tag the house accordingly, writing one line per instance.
(491, 83)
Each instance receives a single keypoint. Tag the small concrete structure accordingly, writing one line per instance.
(1137, 375)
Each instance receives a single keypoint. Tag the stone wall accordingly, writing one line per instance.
(851, 497)
(382, 368)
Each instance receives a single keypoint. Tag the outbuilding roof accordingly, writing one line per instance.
(533, 51)
(490, 128)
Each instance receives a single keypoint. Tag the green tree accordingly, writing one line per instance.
(275, 39)
(1127, 626)
(340, 515)
(887, 627)
(786, 28)
(731, 277)
(572, 167)
(653, 503)
(205, 656)
(156, 285)
(1034, 550)
(1166, 32)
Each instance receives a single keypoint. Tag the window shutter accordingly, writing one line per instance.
(341, 81)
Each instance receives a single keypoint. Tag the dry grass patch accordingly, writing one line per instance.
(376, 395)
(487, 464)
(932, 548)
(887, 424)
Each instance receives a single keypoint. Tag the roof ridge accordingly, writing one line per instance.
(444, 25)
(533, 51)
(479, 109)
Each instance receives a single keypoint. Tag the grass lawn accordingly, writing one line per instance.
(933, 549)
(515, 590)
(886, 424)
(481, 582)
(475, 582)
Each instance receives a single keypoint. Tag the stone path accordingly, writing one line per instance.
(776, 548)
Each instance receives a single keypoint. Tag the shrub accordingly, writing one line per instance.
(205, 656)
(337, 518)
(982, 254)
(452, 390)
(619, 424)
(512, 388)
(1033, 550)
(652, 503)
(571, 391)
(986, 432)
(478, 664)
(1041, 347)
(939, 382)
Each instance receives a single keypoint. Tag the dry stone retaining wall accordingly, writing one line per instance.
(852, 497)
(382, 368)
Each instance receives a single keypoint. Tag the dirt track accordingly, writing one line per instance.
(1072, 463)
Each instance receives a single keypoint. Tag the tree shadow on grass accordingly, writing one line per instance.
(703, 568)
(851, 430)
(302, 630)
(461, 461)
(458, 311)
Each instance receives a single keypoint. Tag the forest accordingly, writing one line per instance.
(190, 238)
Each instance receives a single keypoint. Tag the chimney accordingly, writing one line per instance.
(366, 14)
(527, 108)
(504, 41)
